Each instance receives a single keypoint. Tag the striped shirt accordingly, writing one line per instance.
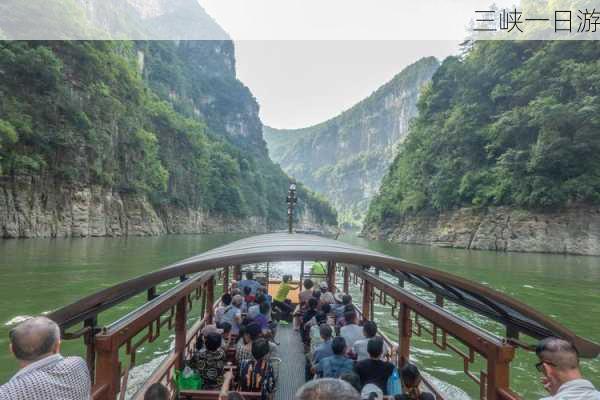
(53, 377)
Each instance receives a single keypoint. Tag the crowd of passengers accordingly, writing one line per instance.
(344, 360)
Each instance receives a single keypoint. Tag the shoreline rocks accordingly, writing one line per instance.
(572, 230)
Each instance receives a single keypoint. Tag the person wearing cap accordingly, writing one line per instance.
(326, 296)
(371, 392)
(210, 362)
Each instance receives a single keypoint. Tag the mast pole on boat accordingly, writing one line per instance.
(292, 199)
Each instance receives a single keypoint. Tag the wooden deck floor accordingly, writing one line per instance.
(291, 370)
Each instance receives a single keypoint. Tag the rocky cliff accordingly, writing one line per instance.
(346, 157)
(571, 230)
(32, 209)
(135, 138)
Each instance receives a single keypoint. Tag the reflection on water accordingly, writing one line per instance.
(41, 275)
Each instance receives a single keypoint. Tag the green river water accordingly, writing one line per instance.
(38, 276)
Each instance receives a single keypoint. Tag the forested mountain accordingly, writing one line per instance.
(346, 157)
(512, 124)
(111, 138)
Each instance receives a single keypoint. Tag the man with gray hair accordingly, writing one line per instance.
(44, 373)
(559, 364)
(327, 389)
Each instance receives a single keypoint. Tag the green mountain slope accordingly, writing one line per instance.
(346, 157)
(156, 120)
(509, 123)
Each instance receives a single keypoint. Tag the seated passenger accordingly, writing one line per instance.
(342, 320)
(262, 319)
(219, 311)
(307, 293)
(210, 362)
(353, 379)
(308, 315)
(256, 375)
(315, 332)
(157, 391)
(249, 282)
(559, 364)
(411, 379)
(321, 351)
(243, 350)
(327, 389)
(44, 373)
(226, 328)
(233, 314)
(254, 309)
(282, 293)
(373, 370)
(249, 298)
(207, 330)
(326, 296)
(360, 346)
(337, 364)
(351, 331)
(340, 309)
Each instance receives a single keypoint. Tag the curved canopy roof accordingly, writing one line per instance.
(293, 247)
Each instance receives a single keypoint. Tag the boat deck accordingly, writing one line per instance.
(291, 370)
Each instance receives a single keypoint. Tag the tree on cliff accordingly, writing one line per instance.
(508, 123)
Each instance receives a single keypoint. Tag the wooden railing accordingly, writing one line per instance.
(170, 312)
(162, 314)
(417, 317)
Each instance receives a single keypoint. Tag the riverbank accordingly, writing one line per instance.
(29, 209)
(573, 230)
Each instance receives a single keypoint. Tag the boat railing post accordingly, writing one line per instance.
(366, 300)
(210, 299)
(108, 368)
(180, 330)
(90, 341)
(498, 371)
(404, 335)
(331, 276)
(346, 280)
(237, 273)
(226, 279)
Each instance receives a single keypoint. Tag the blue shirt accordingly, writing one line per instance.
(323, 350)
(334, 366)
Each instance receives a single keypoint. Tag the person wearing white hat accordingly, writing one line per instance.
(371, 392)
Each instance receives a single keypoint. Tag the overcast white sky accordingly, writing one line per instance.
(301, 83)
(308, 60)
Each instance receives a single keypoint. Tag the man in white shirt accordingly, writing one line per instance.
(360, 346)
(351, 331)
(44, 373)
(559, 364)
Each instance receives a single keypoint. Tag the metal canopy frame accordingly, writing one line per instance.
(514, 314)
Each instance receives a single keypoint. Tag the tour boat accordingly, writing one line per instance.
(378, 278)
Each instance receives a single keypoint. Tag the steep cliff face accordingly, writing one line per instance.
(346, 157)
(144, 138)
(572, 230)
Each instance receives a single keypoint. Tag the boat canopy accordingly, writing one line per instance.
(514, 314)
